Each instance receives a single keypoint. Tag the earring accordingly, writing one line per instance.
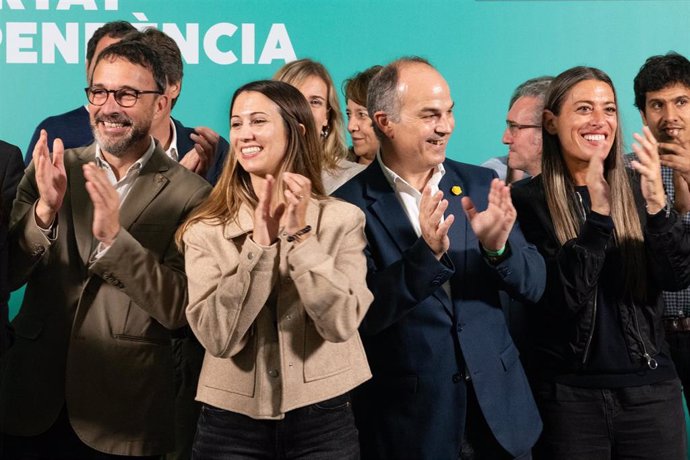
(324, 132)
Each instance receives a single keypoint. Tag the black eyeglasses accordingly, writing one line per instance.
(515, 128)
(125, 97)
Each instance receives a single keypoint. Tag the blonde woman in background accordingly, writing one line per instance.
(313, 80)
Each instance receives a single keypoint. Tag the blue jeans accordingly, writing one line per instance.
(321, 431)
(642, 422)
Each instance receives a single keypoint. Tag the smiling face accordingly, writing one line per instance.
(419, 138)
(364, 140)
(258, 134)
(315, 90)
(586, 124)
(667, 113)
(121, 131)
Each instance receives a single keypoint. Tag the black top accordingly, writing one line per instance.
(587, 329)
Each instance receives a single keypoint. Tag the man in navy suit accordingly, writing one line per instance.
(446, 374)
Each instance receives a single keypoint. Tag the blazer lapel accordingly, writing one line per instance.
(152, 179)
(82, 207)
(459, 230)
(386, 207)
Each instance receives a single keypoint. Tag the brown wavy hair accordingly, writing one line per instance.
(302, 156)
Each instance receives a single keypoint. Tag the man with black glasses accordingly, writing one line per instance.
(522, 134)
(92, 235)
(198, 149)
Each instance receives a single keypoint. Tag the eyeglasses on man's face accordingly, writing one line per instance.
(515, 128)
(125, 97)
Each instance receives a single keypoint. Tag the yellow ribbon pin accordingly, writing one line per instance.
(456, 190)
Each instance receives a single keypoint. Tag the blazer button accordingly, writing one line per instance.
(250, 256)
(273, 373)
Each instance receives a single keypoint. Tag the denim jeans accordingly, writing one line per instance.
(321, 431)
(642, 422)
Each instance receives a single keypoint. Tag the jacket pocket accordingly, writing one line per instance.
(322, 358)
(233, 375)
(138, 326)
(28, 327)
(509, 357)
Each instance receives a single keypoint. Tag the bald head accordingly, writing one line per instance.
(413, 113)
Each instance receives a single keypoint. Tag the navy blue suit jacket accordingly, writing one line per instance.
(74, 129)
(421, 344)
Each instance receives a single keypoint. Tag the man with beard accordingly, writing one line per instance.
(91, 234)
(199, 149)
(662, 94)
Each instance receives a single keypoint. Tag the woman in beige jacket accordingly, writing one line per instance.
(277, 289)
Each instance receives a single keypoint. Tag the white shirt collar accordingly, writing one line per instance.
(399, 184)
(136, 166)
(172, 151)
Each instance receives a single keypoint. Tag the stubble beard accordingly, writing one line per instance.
(119, 146)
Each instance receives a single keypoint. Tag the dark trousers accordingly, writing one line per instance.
(189, 356)
(643, 422)
(679, 345)
(60, 442)
(322, 431)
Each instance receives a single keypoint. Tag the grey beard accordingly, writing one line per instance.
(120, 147)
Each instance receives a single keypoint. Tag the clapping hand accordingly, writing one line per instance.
(106, 204)
(266, 219)
(434, 231)
(648, 165)
(202, 155)
(493, 225)
(51, 179)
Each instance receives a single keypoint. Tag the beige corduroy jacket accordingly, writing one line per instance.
(279, 323)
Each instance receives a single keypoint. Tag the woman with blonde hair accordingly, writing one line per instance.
(313, 80)
(277, 290)
(601, 373)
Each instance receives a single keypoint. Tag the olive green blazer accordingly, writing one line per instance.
(94, 334)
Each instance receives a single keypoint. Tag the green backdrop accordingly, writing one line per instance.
(483, 47)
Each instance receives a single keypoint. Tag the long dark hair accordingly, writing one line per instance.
(560, 189)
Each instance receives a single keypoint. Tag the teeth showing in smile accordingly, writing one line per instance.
(594, 137)
(250, 150)
(110, 124)
(438, 142)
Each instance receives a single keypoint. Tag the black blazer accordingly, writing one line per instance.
(11, 172)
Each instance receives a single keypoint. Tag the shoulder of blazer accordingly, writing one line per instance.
(528, 189)
(184, 142)
(468, 172)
